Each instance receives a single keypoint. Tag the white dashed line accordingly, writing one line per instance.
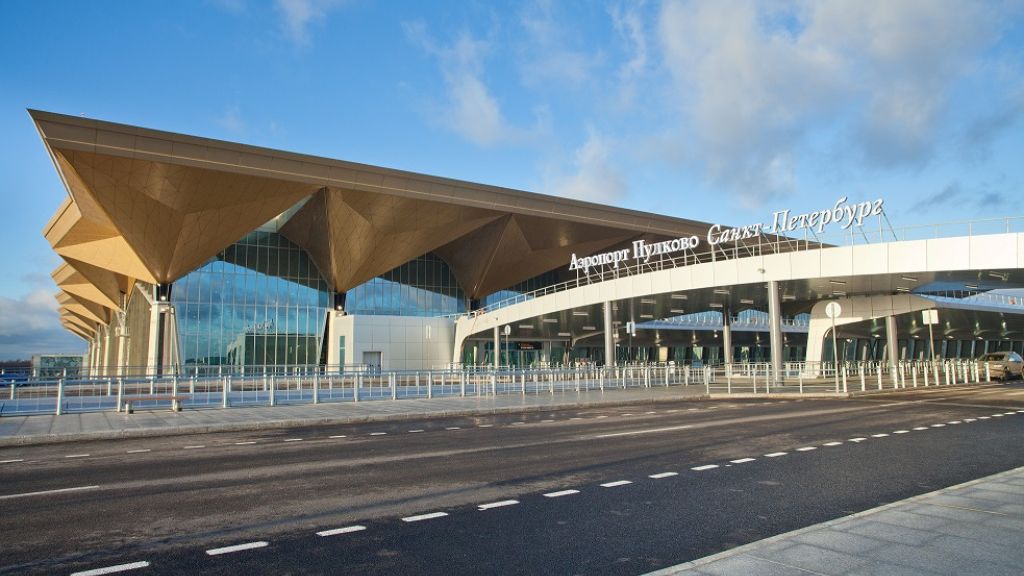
(601, 416)
(77, 456)
(1008, 413)
(576, 418)
(616, 483)
(293, 439)
(485, 426)
(969, 420)
(338, 436)
(858, 439)
(920, 427)
(649, 431)
(561, 493)
(453, 428)
(113, 569)
(415, 431)
(832, 444)
(997, 415)
(775, 454)
(673, 411)
(704, 467)
(938, 425)
(139, 451)
(345, 530)
(12, 461)
(691, 409)
(500, 504)
(630, 414)
(652, 412)
(430, 516)
(518, 423)
(806, 448)
(1020, 411)
(742, 460)
(661, 475)
(194, 447)
(882, 435)
(983, 417)
(546, 421)
(900, 431)
(378, 433)
(47, 492)
(236, 548)
(246, 443)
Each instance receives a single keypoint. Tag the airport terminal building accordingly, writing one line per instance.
(185, 255)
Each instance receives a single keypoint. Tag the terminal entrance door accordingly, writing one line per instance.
(372, 360)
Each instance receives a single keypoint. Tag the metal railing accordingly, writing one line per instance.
(271, 388)
(766, 245)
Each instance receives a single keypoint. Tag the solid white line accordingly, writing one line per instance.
(649, 431)
(338, 436)
(704, 467)
(857, 439)
(832, 444)
(775, 454)
(742, 460)
(194, 447)
(236, 548)
(12, 461)
(661, 475)
(806, 448)
(345, 530)
(900, 431)
(77, 456)
(561, 493)
(292, 440)
(616, 483)
(415, 431)
(497, 504)
(378, 433)
(882, 435)
(430, 516)
(245, 443)
(45, 492)
(140, 451)
(112, 569)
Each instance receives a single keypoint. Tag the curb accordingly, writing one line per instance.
(317, 421)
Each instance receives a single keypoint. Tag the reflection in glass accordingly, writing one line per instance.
(424, 286)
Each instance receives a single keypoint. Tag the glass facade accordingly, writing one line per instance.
(260, 302)
(535, 283)
(424, 286)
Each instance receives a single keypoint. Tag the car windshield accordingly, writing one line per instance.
(993, 356)
(1014, 357)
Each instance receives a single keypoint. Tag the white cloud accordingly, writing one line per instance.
(547, 57)
(31, 325)
(231, 120)
(630, 27)
(594, 178)
(471, 110)
(759, 81)
(297, 15)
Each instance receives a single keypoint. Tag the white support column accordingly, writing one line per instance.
(727, 340)
(775, 328)
(609, 336)
(497, 349)
(891, 343)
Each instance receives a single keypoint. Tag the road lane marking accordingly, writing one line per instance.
(661, 475)
(112, 569)
(920, 427)
(648, 431)
(691, 409)
(246, 443)
(954, 422)
(673, 411)
(900, 431)
(194, 447)
(338, 436)
(237, 548)
(616, 483)
(1008, 413)
(345, 530)
(576, 418)
(500, 504)
(652, 412)
(601, 416)
(832, 444)
(47, 492)
(775, 454)
(485, 426)
(292, 440)
(983, 417)
(858, 439)
(970, 419)
(378, 433)
(420, 517)
(882, 435)
(518, 423)
(806, 448)
(742, 460)
(561, 493)
(704, 467)
(997, 415)
(415, 431)
(77, 456)
(628, 414)
(547, 421)
(938, 425)
(12, 461)
(453, 428)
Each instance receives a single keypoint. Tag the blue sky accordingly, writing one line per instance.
(721, 111)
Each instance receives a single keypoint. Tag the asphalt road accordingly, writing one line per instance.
(597, 491)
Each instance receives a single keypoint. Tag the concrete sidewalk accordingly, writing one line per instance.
(973, 528)
(47, 428)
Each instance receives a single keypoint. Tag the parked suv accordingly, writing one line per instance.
(1004, 365)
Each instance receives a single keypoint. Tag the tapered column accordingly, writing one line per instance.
(775, 328)
(609, 336)
(727, 335)
(890, 343)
